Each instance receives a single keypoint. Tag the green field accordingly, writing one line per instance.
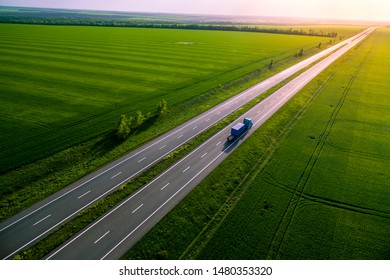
(314, 179)
(64, 85)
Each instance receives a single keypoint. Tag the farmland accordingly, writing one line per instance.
(316, 177)
(64, 85)
(64, 88)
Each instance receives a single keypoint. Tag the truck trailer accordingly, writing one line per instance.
(237, 130)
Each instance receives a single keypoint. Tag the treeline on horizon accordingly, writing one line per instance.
(167, 25)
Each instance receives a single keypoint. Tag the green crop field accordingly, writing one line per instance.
(63, 85)
(319, 190)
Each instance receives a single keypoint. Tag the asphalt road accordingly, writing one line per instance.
(113, 234)
(35, 222)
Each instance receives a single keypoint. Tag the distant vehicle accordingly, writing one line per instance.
(239, 129)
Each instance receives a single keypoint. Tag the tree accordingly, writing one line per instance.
(123, 129)
(300, 52)
(162, 107)
(137, 120)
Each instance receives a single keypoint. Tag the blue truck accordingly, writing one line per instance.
(237, 130)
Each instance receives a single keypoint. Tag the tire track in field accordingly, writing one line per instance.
(284, 224)
(358, 153)
(327, 201)
(347, 206)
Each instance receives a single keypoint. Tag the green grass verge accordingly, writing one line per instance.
(312, 183)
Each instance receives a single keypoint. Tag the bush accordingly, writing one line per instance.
(162, 107)
(137, 120)
(123, 129)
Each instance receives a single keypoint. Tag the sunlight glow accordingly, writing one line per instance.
(370, 10)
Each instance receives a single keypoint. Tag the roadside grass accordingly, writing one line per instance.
(311, 183)
(25, 186)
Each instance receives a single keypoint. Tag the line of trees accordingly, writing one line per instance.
(167, 25)
(128, 124)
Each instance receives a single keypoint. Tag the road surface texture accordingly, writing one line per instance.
(32, 224)
(113, 234)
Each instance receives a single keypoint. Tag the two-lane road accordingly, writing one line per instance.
(35, 222)
(113, 234)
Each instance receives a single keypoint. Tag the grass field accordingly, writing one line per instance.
(316, 177)
(64, 85)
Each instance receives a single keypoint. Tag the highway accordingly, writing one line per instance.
(113, 234)
(35, 222)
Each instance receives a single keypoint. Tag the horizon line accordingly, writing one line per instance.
(311, 19)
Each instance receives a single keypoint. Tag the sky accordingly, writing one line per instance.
(368, 10)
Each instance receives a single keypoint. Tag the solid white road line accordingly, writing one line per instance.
(186, 169)
(101, 237)
(165, 186)
(42, 220)
(85, 194)
(135, 210)
(116, 175)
